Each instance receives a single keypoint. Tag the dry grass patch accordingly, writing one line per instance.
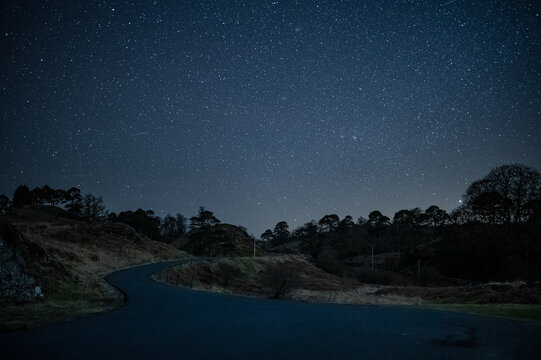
(300, 280)
(69, 259)
(514, 311)
(262, 276)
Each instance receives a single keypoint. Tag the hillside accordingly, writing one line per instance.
(287, 276)
(217, 240)
(294, 277)
(53, 264)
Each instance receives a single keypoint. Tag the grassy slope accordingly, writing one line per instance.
(251, 277)
(262, 277)
(69, 259)
(514, 311)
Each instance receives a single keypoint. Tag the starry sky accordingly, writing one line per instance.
(264, 110)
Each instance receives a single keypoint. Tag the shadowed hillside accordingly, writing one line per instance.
(55, 263)
(217, 240)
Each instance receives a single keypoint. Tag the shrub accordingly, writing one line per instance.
(279, 280)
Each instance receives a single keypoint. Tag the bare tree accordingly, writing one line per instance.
(92, 207)
(329, 222)
(503, 194)
(204, 219)
(268, 236)
(281, 233)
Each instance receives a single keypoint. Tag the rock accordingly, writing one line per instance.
(15, 282)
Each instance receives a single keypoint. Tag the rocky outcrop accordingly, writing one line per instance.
(15, 282)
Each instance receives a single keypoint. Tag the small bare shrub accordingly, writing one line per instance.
(279, 280)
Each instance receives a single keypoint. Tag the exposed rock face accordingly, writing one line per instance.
(46, 250)
(15, 283)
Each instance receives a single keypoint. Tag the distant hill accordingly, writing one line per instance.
(217, 240)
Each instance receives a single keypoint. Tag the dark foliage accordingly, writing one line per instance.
(172, 227)
(204, 219)
(22, 197)
(280, 233)
(143, 221)
(490, 252)
(494, 235)
(279, 280)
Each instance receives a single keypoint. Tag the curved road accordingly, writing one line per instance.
(164, 322)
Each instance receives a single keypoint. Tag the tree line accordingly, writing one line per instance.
(494, 233)
(89, 207)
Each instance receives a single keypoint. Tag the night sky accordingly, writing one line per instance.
(264, 111)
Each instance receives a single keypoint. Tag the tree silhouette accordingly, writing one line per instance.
(38, 196)
(74, 201)
(534, 211)
(346, 224)
(204, 220)
(377, 223)
(491, 207)
(310, 239)
(22, 197)
(412, 217)
(92, 207)
(4, 204)
(143, 221)
(407, 228)
(376, 218)
(515, 185)
(436, 216)
(181, 224)
(461, 215)
(47, 195)
(172, 227)
(268, 236)
(58, 197)
(168, 227)
(281, 233)
(329, 222)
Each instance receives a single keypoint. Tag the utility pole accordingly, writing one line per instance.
(254, 247)
(372, 248)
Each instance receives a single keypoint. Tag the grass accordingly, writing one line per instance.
(69, 258)
(514, 311)
(20, 316)
(248, 266)
(68, 301)
(319, 286)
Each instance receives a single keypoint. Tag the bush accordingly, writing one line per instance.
(279, 279)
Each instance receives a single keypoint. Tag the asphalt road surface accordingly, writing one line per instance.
(164, 322)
